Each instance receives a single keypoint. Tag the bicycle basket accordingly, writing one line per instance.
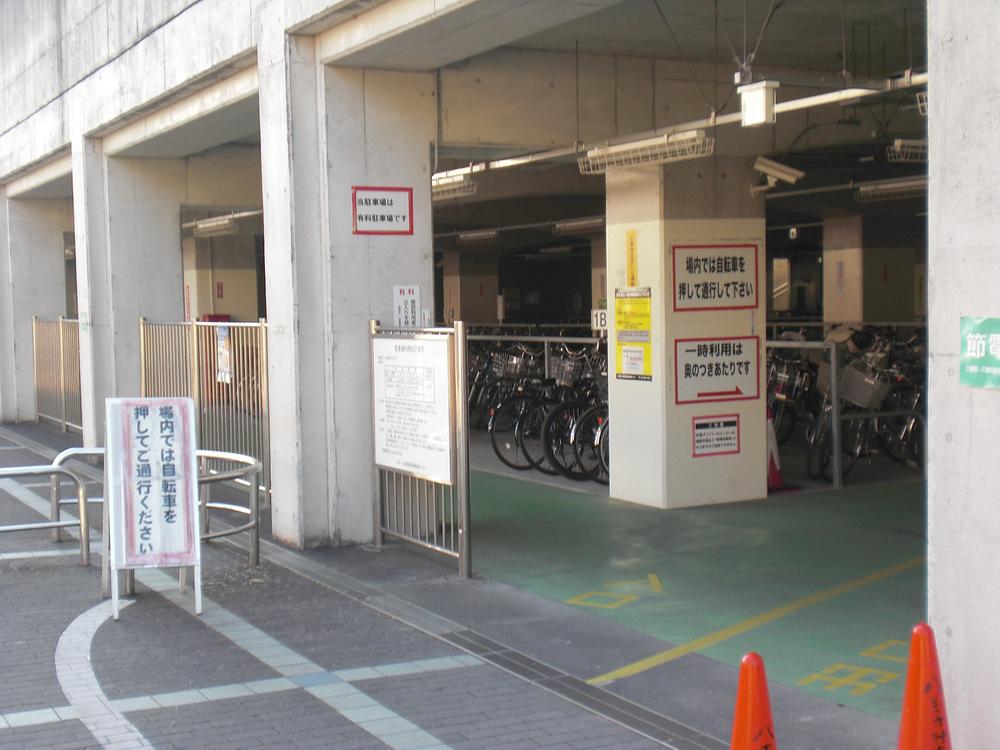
(864, 389)
(565, 370)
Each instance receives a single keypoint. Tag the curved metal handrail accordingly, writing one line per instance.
(250, 469)
(55, 523)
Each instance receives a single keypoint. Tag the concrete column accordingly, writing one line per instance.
(843, 269)
(297, 284)
(380, 125)
(479, 287)
(128, 266)
(8, 393)
(649, 211)
(35, 278)
(963, 265)
(598, 272)
(93, 275)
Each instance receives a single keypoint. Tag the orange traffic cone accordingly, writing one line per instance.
(924, 724)
(753, 727)
(774, 479)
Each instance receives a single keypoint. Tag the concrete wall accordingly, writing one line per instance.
(479, 287)
(964, 517)
(843, 269)
(229, 261)
(889, 284)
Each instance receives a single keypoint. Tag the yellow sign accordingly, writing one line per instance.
(632, 257)
(633, 341)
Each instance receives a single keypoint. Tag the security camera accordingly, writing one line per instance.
(775, 171)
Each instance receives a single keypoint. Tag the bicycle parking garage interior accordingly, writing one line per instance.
(820, 220)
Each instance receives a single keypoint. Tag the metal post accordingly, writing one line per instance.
(62, 377)
(462, 451)
(254, 552)
(143, 384)
(838, 480)
(81, 503)
(379, 537)
(548, 373)
(264, 410)
(54, 534)
(195, 374)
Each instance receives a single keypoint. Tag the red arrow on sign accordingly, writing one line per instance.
(735, 392)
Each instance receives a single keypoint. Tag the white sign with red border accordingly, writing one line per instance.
(715, 435)
(382, 210)
(152, 485)
(716, 369)
(715, 277)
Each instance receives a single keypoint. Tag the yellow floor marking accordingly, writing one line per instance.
(879, 651)
(656, 660)
(651, 580)
(847, 675)
(602, 599)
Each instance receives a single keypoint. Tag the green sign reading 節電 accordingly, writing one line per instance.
(979, 363)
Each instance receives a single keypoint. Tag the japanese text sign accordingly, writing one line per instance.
(716, 435)
(715, 277)
(979, 363)
(406, 306)
(633, 337)
(718, 369)
(152, 482)
(382, 210)
(413, 406)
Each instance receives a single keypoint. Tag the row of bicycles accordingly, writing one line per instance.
(546, 411)
(881, 393)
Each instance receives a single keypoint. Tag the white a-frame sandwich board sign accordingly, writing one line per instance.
(152, 486)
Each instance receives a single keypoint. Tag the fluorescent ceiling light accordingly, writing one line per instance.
(584, 225)
(478, 235)
(216, 226)
(757, 103)
(561, 250)
(446, 186)
(662, 149)
(907, 150)
(889, 190)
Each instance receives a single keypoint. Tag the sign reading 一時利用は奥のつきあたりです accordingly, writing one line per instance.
(979, 362)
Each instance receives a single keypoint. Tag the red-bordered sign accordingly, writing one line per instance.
(716, 435)
(715, 277)
(716, 369)
(381, 210)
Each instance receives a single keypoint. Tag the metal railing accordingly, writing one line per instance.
(248, 470)
(54, 521)
(57, 372)
(549, 344)
(431, 514)
(223, 367)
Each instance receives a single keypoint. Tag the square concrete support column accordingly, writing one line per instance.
(843, 269)
(683, 438)
(323, 132)
(963, 564)
(380, 126)
(297, 284)
(127, 214)
(34, 277)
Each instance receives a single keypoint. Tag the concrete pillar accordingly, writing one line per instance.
(128, 266)
(963, 265)
(380, 125)
(297, 283)
(598, 272)
(843, 269)
(323, 132)
(34, 275)
(653, 213)
(479, 287)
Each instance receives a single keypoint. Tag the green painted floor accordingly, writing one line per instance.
(685, 575)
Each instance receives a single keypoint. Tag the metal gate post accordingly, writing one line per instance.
(838, 480)
(62, 376)
(265, 412)
(195, 375)
(379, 536)
(462, 452)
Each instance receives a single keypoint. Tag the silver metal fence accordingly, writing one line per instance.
(223, 367)
(55, 522)
(552, 346)
(57, 372)
(430, 514)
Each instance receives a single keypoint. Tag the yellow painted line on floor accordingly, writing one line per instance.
(656, 660)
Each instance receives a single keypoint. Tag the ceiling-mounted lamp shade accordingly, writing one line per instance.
(479, 235)
(216, 226)
(892, 190)
(689, 144)
(584, 225)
